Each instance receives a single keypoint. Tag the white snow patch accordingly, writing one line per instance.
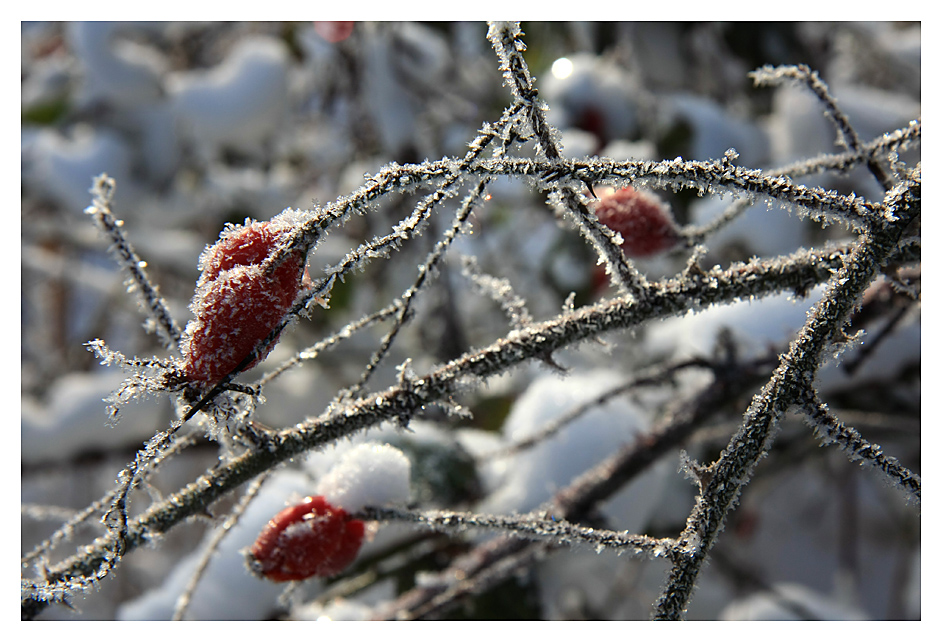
(241, 102)
(370, 474)
(789, 602)
(62, 168)
(532, 476)
(757, 326)
(227, 590)
(73, 419)
(123, 72)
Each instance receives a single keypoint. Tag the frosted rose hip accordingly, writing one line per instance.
(237, 302)
(644, 221)
(313, 538)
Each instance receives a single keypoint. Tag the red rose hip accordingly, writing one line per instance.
(243, 293)
(644, 221)
(313, 538)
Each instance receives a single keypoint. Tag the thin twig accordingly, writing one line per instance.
(830, 430)
(100, 211)
(183, 601)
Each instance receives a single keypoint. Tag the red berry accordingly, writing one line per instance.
(592, 119)
(311, 539)
(334, 31)
(238, 299)
(643, 220)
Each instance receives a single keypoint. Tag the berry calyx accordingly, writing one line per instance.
(243, 293)
(644, 221)
(313, 538)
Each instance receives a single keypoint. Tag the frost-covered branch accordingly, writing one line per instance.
(831, 430)
(506, 38)
(725, 478)
(703, 176)
(847, 135)
(93, 510)
(334, 339)
(469, 575)
(425, 270)
(882, 146)
(559, 532)
(500, 291)
(159, 315)
(447, 172)
(494, 559)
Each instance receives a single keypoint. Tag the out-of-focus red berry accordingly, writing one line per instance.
(334, 30)
(644, 221)
(238, 300)
(313, 538)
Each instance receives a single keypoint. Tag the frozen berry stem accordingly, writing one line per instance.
(509, 47)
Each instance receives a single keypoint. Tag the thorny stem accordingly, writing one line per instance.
(329, 342)
(835, 162)
(401, 177)
(471, 574)
(394, 178)
(92, 510)
(701, 175)
(847, 134)
(425, 270)
(499, 290)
